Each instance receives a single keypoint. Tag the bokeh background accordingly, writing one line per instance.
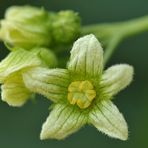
(20, 127)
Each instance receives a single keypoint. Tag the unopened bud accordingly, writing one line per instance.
(26, 27)
(66, 27)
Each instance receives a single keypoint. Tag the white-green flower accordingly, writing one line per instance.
(14, 91)
(82, 93)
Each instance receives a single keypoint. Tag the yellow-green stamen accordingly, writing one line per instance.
(81, 93)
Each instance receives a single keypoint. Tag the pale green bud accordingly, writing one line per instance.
(66, 27)
(26, 27)
(48, 57)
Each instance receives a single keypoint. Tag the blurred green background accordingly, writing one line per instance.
(20, 127)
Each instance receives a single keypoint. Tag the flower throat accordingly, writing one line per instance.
(81, 93)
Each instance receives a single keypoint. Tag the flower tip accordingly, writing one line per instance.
(124, 136)
(12, 97)
(11, 102)
(88, 37)
(86, 40)
(42, 136)
(124, 133)
(128, 67)
(130, 71)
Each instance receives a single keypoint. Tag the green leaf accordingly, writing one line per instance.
(14, 91)
(62, 121)
(106, 118)
(86, 57)
(117, 78)
(53, 83)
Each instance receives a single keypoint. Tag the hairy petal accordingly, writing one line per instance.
(106, 118)
(52, 83)
(117, 78)
(86, 57)
(16, 61)
(62, 121)
(14, 91)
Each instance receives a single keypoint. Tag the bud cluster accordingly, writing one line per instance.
(28, 27)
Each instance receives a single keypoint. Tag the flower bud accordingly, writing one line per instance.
(65, 27)
(47, 57)
(26, 27)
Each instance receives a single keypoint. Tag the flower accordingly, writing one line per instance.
(82, 93)
(14, 91)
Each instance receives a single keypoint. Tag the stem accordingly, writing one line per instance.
(110, 49)
(114, 33)
(135, 26)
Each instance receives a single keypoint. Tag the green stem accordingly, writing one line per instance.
(110, 49)
(113, 33)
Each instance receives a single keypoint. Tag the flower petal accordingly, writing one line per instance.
(17, 60)
(86, 57)
(62, 121)
(14, 91)
(117, 78)
(53, 83)
(107, 119)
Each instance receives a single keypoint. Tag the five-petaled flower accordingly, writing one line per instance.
(82, 93)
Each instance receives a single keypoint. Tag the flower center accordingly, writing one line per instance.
(81, 93)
